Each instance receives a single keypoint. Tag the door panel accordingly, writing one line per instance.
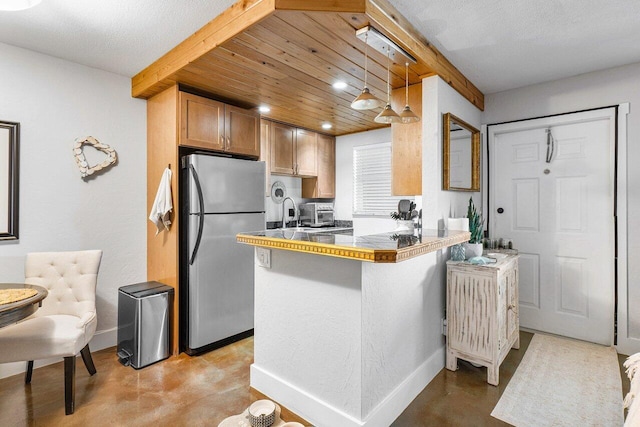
(529, 265)
(242, 129)
(201, 122)
(221, 278)
(559, 215)
(228, 185)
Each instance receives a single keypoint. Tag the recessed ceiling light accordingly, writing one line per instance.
(264, 109)
(326, 126)
(17, 4)
(339, 85)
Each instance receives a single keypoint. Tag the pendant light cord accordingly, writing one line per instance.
(366, 45)
(406, 79)
(388, 77)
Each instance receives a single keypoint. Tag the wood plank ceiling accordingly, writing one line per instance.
(287, 54)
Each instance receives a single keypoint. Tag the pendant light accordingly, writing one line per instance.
(407, 116)
(387, 115)
(365, 101)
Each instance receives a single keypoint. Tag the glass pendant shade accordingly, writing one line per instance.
(387, 115)
(407, 116)
(366, 101)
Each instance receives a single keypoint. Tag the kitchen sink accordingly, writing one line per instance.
(325, 230)
(302, 229)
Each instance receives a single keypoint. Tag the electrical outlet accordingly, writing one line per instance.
(263, 257)
(292, 212)
(443, 324)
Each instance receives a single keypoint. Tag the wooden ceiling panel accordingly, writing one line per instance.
(288, 53)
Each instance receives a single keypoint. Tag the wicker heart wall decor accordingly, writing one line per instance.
(81, 160)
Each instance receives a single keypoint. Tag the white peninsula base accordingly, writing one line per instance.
(343, 342)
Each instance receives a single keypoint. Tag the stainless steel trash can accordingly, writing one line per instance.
(144, 323)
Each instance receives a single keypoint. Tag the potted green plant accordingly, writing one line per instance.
(473, 247)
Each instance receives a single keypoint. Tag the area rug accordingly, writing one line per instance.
(563, 382)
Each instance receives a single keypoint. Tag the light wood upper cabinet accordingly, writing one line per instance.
(201, 122)
(213, 125)
(326, 166)
(283, 149)
(293, 151)
(406, 142)
(242, 131)
(324, 186)
(306, 153)
(301, 152)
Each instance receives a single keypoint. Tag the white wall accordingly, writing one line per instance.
(362, 225)
(592, 90)
(439, 98)
(56, 102)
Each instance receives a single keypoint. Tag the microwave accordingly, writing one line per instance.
(316, 214)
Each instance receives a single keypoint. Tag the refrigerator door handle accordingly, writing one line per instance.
(200, 214)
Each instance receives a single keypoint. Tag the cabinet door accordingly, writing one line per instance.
(242, 131)
(471, 309)
(513, 323)
(326, 166)
(283, 153)
(324, 186)
(201, 122)
(306, 149)
(265, 153)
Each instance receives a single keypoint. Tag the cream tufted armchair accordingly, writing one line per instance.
(65, 323)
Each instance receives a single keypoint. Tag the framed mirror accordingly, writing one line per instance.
(460, 155)
(9, 140)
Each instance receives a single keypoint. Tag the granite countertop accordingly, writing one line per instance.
(383, 248)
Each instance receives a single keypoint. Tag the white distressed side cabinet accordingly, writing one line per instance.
(482, 313)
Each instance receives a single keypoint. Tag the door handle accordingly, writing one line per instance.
(200, 214)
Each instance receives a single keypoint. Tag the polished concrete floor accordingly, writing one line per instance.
(202, 391)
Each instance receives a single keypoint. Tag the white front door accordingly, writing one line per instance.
(554, 198)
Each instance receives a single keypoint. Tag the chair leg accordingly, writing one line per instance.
(29, 372)
(69, 384)
(88, 360)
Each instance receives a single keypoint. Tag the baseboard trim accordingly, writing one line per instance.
(100, 341)
(321, 413)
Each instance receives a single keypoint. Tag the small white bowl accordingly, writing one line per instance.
(292, 424)
(262, 413)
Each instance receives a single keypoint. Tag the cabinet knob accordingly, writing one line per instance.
(500, 210)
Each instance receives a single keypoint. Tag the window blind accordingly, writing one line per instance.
(372, 180)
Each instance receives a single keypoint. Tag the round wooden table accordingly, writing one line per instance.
(15, 311)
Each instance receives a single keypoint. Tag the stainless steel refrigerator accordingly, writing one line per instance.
(225, 196)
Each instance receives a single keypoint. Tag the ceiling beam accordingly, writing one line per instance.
(246, 13)
(225, 26)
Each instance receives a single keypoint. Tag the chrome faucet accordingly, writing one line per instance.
(295, 211)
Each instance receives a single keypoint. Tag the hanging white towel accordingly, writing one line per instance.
(163, 205)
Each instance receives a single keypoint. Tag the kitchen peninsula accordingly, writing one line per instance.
(344, 325)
